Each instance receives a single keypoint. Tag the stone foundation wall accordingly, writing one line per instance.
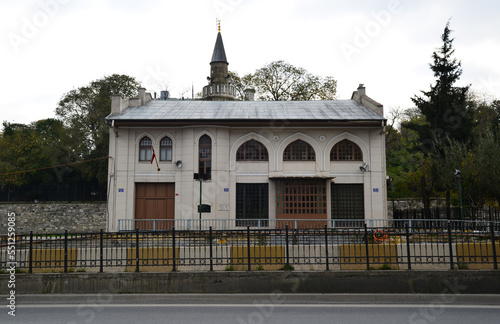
(54, 218)
(411, 204)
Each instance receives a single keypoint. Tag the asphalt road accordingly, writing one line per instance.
(251, 309)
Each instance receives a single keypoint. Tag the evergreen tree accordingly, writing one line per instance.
(444, 106)
(447, 114)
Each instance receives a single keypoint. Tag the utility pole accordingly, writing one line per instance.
(458, 175)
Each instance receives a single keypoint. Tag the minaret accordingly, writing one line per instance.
(219, 87)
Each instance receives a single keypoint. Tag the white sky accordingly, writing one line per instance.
(49, 47)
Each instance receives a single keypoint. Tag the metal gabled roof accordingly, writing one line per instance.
(177, 110)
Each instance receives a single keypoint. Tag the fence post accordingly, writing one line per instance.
(65, 250)
(326, 247)
(137, 249)
(408, 245)
(494, 248)
(173, 249)
(101, 251)
(450, 245)
(31, 253)
(211, 253)
(366, 247)
(248, 247)
(286, 248)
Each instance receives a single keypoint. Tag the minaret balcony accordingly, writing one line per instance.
(227, 91)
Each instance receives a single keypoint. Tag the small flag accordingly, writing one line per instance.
(154, 155)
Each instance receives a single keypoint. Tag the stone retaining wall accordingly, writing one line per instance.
(450, 283)
(54, 217)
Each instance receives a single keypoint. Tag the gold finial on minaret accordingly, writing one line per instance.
(218, 25)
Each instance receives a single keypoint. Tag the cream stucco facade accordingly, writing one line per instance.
(294, 154)
(126, 169)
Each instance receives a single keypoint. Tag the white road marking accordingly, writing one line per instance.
(260, 305)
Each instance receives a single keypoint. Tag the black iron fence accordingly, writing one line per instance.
(453, 213)
(53, 192)
(448, 246)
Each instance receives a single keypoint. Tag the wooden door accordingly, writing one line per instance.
(155, 201)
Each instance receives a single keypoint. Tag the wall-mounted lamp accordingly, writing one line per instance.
(364, 167)
(178, 164)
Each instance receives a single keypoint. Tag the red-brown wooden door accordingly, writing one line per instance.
(155, 201)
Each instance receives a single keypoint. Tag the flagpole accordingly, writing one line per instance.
(154, 157)
(157, 163)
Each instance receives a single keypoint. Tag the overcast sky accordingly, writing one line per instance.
(50, 47)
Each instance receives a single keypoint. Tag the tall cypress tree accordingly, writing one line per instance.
(447, 115)
(444, 106)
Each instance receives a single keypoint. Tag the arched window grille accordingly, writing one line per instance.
(346, 151)
(205, 157)
(166, 149)
(252, 150)
(299, 151)
(145, 149)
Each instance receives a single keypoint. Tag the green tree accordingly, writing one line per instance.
(38, 145)
(407, 166)
(240, 84)
(83, 111)
(280, 80)
(477, 159)
(445, 107)
(446, 111)
(478, 165)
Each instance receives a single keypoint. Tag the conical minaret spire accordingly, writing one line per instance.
(219, 87)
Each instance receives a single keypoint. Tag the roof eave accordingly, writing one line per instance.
(246, 123)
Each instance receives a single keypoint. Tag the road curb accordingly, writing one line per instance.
(261, 282)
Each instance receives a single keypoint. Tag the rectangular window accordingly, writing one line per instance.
(166, 154)
(348, 202)
(145, 154)
(252, 203)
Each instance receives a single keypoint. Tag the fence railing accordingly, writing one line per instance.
(453, 213)
(450, 245)
(235, 224)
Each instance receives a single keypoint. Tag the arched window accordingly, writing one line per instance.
(205, 157)
(166, 149)
(145, 149)
(252, 150)
(346, 151)
(299, 151)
